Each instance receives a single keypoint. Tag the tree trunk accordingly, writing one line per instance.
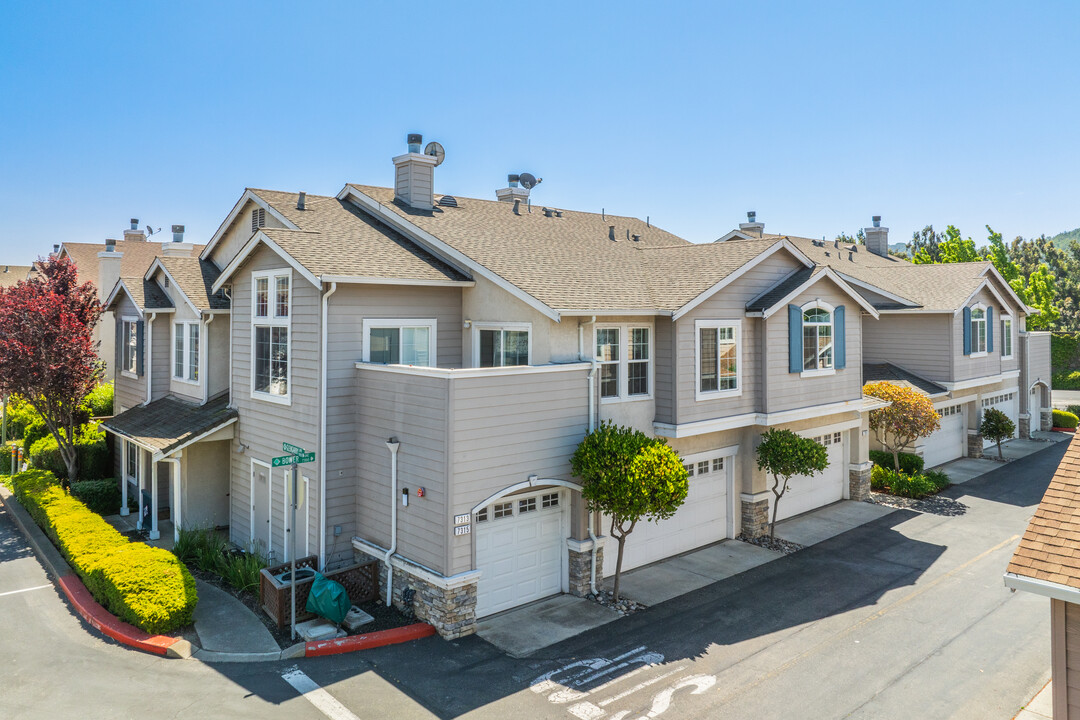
(776, 504)
(1000, 456)
(618, 569)
(896, 460)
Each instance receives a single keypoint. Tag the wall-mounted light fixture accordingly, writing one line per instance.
(467, 324)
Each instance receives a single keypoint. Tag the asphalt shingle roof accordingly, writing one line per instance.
(196, 277)
(10, 275)
(167, 423)
(146, 293)
(1050, 548)
(887, 372)
(137, 257)
(781, 290)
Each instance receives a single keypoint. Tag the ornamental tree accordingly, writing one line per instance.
(784, 454)
(910, 416)
(47, 353)
(997, 426)
(628, 476)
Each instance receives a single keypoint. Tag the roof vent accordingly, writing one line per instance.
(558, 213)
(611, 232)
(836, 243)
(134, 223)
(517, 206)
(851, 257)
(178, 233)
(548, 212)
(854, 248)
(448, 201)
(637, 238)
(301, 200)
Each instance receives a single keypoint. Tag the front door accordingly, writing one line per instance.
(260, 506)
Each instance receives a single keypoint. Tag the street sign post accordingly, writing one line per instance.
(294, 449)
(299, 455)
(284, 460)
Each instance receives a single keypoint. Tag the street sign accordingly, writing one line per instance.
(294, 449)
(290, 459)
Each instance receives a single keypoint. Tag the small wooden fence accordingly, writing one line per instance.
(360, 582)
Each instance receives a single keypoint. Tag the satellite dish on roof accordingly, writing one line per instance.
(529, 181)
(435, 150)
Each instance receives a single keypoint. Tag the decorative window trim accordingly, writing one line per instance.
(820, 305)
(186, 324)
(128, 447)
(1007, 337)
(376, 323)
(623, 363)
(125, 321)
(478, 326)
(272, 320)
(974, 335)
(717, 324)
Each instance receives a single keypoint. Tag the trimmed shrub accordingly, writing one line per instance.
(1063, 419)
(19, 415)
(101, 496)
(93, 454)
(34, 432)
(909, 462)
(147, 587)
(99, 403)
(916, 485)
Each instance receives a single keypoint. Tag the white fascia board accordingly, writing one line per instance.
(993, 271)
(702, 427)
(115, 291)
(224, 227)
(158, 455)
(876, 290)
(451, 373)
(984, 284)
(134, 441)
(976, 382)
(732, 235)
(746, 267)
(444, 251)
(158, 266)
(615, 313)
(260, 237)
(917, 310)
(360, 280)
(827, 272)
(1045, 588)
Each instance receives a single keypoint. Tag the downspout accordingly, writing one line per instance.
(228, 295)
(322, 430)
(592, 426)
(148, 357)
(392, 445)
(176, 498)
(204, 356)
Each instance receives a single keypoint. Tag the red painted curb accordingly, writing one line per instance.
(1070, 430)
(372, 640)
(108, 623)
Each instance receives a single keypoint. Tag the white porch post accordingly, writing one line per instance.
(140, 474)
(123, 479)
(154, 534)
(177, 489)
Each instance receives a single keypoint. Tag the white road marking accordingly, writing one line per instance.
(16, 592)
(323, 701)
(640, 686)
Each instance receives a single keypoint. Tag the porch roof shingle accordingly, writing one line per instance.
(887, 372)
(168, 423)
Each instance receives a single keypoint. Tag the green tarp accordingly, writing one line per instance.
(328, 599)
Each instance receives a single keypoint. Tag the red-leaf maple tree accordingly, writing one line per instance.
(47, 352)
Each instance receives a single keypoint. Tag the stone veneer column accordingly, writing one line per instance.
(581, 565)
(447, 603)
(755, 514)
(1024, 430)
(859, 481)
(1046, 419)
(974, 444)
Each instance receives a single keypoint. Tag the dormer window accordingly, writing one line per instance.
(258, 219)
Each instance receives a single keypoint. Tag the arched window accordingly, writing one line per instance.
(817, 336)
(978, 329)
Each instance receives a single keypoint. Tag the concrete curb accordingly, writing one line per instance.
(372, 640)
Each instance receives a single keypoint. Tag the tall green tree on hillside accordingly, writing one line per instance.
(949, 248)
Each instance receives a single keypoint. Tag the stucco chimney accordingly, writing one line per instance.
(752, 227)
(109, 263)
(134, 234)
(513, 190)
(177, 248)
(877, 238)
(414, 176)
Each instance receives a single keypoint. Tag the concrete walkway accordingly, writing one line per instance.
(1041, 706)
(224, 624)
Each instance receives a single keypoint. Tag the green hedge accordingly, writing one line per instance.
(34, 432)
(909, 462)
(99, 403)
(94, 460)
(101, 496)
(1063, 419)
(1065, 380)
(147, 587)
(915, 485)
(19, 415)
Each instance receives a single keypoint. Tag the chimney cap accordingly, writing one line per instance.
(178, 228)
(512, 179)
(415, 138)
(876, 219)
(56, 248)
(751, 215)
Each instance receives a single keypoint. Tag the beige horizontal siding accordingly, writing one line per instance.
(919, 343)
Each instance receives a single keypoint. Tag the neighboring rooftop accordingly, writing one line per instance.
(887, 372)
(12, 274)
(146, 293)
(137, 257)
(195, 279)
(167, 424)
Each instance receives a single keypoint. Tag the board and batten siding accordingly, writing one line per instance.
(264, 425)
(919, 343)
(789, 391)
(728, 304)
(967, 367)
(505, 428)
(348, 307)
(414, 409)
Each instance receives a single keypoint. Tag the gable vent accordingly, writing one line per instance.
(258, 219)
(448, 201)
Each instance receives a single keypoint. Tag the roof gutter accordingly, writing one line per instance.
(322, 430)
(1045, 588)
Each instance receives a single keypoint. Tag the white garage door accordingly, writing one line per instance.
(520, 548)
(949, 441)
(702, 519)
(806, 493)
(1007, 402)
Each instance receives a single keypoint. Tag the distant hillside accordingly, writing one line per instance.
(1062, 240)
(898, 247)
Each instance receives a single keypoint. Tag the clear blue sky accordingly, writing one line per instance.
(816, 115)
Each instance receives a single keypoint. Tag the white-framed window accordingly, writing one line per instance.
(501, 510)
(131, 462)
(185, 356)
(502, 344)
(817, 337)
(129, 346)
(719, 361)
(624, 353)
(271, 323)
(949, 411)
(400, 342)
(1006, 336)
(978, 330)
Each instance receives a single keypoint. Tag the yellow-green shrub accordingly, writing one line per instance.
(147, 587)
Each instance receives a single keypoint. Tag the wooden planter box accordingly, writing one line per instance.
(360, 582)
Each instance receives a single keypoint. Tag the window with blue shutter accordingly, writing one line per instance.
(139, 347)
(967, 331)
(989, 329)
(839, 339)
(795, 331)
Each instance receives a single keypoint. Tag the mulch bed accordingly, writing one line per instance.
(779, 545)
